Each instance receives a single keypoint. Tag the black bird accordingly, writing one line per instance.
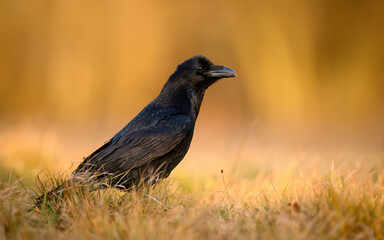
(157, 139)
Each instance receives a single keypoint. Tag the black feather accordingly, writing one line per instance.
(158, 138)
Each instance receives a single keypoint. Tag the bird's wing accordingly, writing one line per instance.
(139, 147)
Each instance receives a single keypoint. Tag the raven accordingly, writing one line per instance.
(157, 139)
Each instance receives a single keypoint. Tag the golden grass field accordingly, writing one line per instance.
(299, 133)
(297, 196)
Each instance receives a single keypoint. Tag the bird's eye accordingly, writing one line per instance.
(199, 70)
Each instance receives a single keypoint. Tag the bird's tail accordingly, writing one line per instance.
(48, 196)
(58, 193)
(55, 194)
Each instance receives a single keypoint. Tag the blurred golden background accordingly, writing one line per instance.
(73, 73)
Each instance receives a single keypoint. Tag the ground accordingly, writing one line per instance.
(253, 191)
(345, 202)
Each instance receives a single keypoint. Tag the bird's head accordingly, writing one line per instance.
(185, 88)
(201, 73)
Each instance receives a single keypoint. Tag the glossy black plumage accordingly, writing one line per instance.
(157, 139)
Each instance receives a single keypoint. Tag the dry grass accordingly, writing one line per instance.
(345, 202)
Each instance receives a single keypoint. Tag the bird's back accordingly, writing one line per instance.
(153, 143)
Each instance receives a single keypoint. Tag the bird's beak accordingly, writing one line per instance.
(217, 71)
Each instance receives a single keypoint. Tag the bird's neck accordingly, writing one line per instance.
(196, 98)
(185, 98)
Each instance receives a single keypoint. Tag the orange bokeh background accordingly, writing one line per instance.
(310, 73)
